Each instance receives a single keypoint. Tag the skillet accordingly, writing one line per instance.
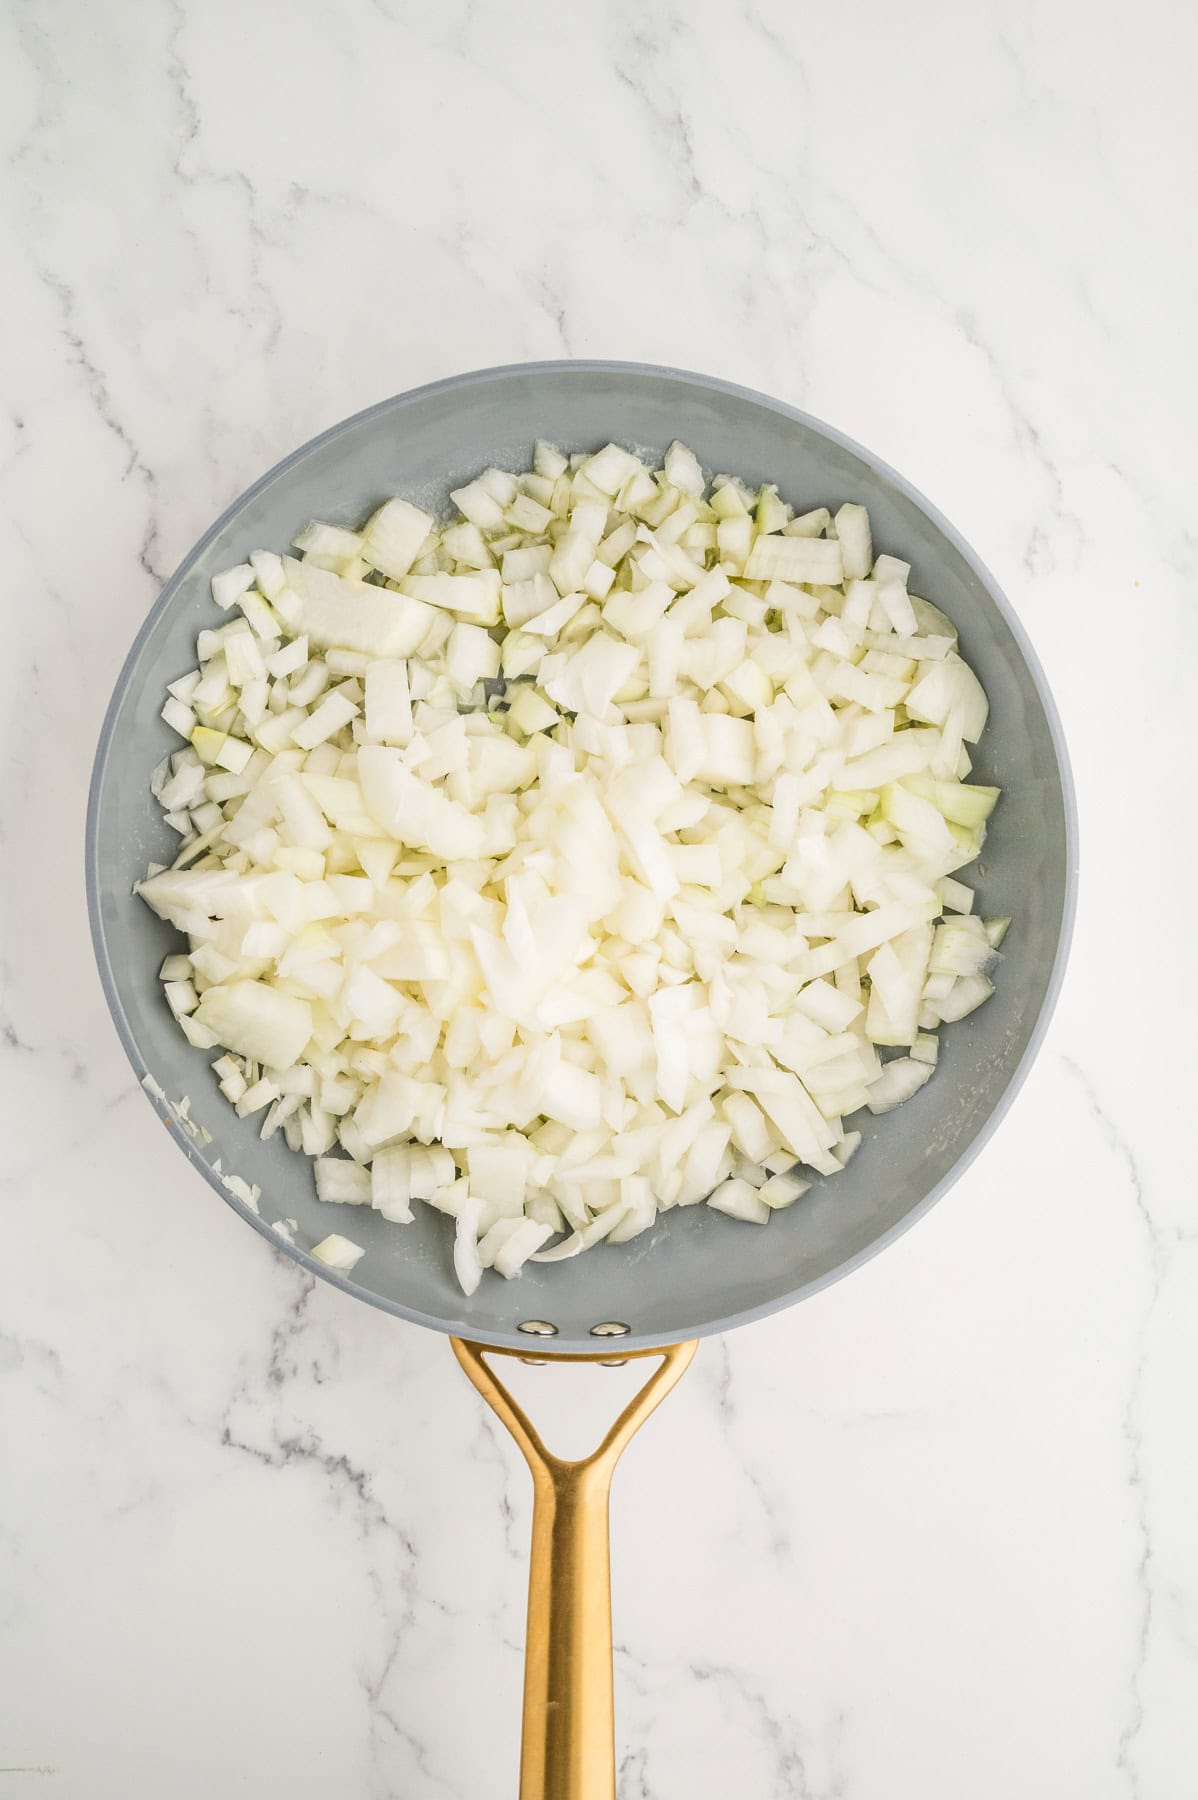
(696, 1271)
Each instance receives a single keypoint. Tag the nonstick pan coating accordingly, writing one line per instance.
(696, 1271)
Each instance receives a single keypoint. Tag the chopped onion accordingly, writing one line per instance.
(336, 1252)
(574, 860)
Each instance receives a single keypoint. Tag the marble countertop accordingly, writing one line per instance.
(934, 1532)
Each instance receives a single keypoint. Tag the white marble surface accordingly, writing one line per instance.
(934, 1534)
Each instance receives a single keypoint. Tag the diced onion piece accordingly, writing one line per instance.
(268, 572)
(334, 712)
(394, 536)
(258, 1020)
(337, 1252)
(682, 469)
(609, 469)
(968, 993)
(388, 703)
(518, 1245)
(467, 1263)
(181, 997)
(474, 503)
(228, 587)
(342, 1182)
(471, 655)
(782, 1189)
(739, 1201)
(897, 1082)
(856, 544)
(548, 460)
(390, 1184)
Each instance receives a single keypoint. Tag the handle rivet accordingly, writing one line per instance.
(538, 1328)
(611, 1328)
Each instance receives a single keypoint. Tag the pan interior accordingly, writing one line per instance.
(696, 1270)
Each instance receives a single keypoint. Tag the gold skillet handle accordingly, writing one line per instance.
(568, 1750)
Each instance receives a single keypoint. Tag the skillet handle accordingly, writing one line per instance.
(568, 1750)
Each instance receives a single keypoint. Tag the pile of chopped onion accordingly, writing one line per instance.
(577, 860)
